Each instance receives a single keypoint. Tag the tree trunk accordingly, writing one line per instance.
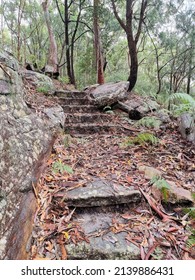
(66, 21)
(53, 53)
(188, 82)
(97, 44)
(2, 23)
(132, 34)
(19, 21)
(133, 65)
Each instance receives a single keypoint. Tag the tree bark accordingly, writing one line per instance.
(97, 44)
(66, 25)
(53, 53)
(132, 38)
(133, 65)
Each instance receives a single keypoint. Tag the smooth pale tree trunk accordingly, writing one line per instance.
(53, 53)
(97, 44)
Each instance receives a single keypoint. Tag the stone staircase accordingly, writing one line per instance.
(100, 203)
(83, 116)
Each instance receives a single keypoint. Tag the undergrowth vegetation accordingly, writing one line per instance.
(143, 139)
(180, 103)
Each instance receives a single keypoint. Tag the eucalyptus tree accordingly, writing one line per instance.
(132, 25)
(170, 29)
(52, 60)
(186, 27)
(97, 43)
(13, 12)
(70, 13)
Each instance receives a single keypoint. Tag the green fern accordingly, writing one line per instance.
(183, 97)
(181, 103)
(190, 211)
(43, 89)
(191, 239)
(149, 122)
(157, 254)
(67, 140)
(64, 79)
(142, 139)
(162, 185)
(59, 167)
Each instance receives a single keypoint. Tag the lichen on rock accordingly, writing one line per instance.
(25, 139)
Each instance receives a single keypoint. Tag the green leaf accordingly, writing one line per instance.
(59, 167)
(150, 122)
(143, 138)
(162, 185)
(191, 239)
(68, 169)
(183, 97)
(191, 211)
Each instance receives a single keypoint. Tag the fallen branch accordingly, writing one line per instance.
(153, 205)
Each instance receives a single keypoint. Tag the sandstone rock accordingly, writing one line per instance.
(40, 81)
(187, 127)
(110, 247)
(107, 245)
(100, 193)
(56, 115)
(149, 172)
(163, 115)
(174, 194)
(25, 141)
(141, 104)
(178, 195)
(11, 82)
(110, 93)
(91, 88)
(9, 61)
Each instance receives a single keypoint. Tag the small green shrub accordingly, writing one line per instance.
(157, 254)
(162, 185)
(191, 239)
(67, 140)
(43, 89)
(64, 79)
(59, 167)
(190, 211)
(181, 103)
(149, 122)
(144, 138)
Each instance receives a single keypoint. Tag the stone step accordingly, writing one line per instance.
(99, 207)
(99, 193)
(75, 101)
(91, 128)
(103, 243)
(88, 118)
(79, 109)
(71, 94)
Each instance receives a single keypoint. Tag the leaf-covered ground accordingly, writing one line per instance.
(159, 232)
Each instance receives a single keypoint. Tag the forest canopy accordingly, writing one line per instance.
(150, 43)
